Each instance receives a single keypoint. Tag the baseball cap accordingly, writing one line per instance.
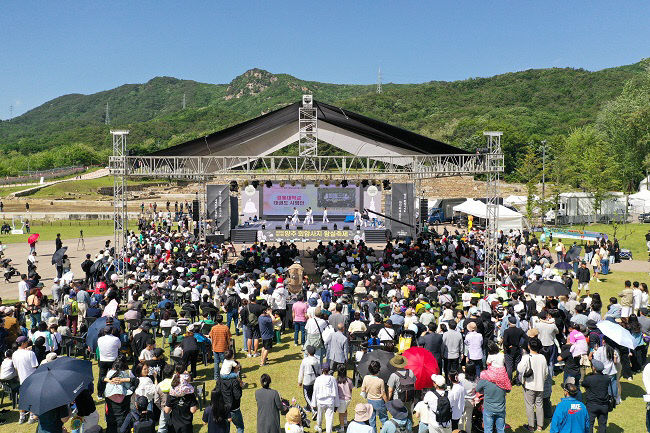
(22, 339)
(438, 380)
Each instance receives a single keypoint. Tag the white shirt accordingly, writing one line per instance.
(109, 348)
(25, 363)
(457, 400)
(7, 370)
(431, 400)
(23, 288)
(280, 298)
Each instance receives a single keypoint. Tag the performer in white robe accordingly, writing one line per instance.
(325, 220)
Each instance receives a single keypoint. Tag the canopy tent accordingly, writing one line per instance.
(508, 218)
(515, 200)
(640, 202)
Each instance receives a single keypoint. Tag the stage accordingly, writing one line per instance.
(277, 231)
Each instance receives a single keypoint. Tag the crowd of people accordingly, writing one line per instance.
(211, 303)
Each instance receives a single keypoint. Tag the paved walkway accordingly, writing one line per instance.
(631, 266)
(92, 175)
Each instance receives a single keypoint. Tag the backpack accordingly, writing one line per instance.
(443, 411)
(252, 317)
(144, 425)
(406, 387)
(399, 428)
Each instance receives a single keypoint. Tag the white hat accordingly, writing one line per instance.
(438, 380)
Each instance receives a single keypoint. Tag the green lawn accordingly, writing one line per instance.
(68, 229)
(630, 236)
(285, 360)
(86, 188)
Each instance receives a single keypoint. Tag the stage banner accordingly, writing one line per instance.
(219, 207)
(281, 200)
(402, 209)
(250, 203)
(372, 197)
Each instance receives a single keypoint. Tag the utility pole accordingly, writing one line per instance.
(543, 177)
(379, 80)
(11, 112)
(183, 101)
(107, 119)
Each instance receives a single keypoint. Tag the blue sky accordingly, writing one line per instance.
(51, 48)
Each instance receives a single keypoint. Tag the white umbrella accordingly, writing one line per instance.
(617, 333)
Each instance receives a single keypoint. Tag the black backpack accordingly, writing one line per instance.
(443, 410)
(406, 387)
(144, 425)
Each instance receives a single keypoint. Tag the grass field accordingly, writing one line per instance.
(86, 188)
(285, 360)
(630, 236)
(68, 229)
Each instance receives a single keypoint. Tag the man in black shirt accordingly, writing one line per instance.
(432, 341)
(253, 310)
(596, 396)
(513, 337)
(571, 367)
(190, 350)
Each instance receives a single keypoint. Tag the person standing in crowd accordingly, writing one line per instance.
(220, 338)
(108, 346)
(373, 390)
(597, 396)
(325, 398)
(533, 370)
(25, 363)
(452, 346)
(309, 370)
(571, 415)
(299, 317)
(439, 408)
(268, 407)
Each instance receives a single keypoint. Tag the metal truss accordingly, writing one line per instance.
(307, 127)
(120, 199)
(416, 166)
(494, 160)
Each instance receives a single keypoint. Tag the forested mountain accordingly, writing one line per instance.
(529, 106)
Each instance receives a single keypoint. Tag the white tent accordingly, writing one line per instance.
(640, 202)
(508, 218)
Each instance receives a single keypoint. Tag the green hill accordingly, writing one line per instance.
(528, 105)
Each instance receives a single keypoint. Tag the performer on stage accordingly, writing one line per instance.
(310, 216)
(325, 220)
(357, 218)
(295, 220)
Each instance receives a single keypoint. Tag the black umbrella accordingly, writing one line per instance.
(93, 330)
(96, 266)
(55, 384)
(573, 253)
(565, 266)
(377, 355)
(547, 288)
(58, 255)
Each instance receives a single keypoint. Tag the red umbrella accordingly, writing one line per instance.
(423, 364)
(33, 238)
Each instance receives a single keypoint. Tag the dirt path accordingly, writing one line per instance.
(19, 252)
(631, 266)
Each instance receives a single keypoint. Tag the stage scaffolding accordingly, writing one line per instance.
(202, 169)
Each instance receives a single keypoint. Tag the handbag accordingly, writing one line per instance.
(529, 370)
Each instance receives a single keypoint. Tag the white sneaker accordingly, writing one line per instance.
(248, 355)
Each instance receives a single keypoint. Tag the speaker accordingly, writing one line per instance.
(335, 227)
(299, 227)
(323, 228)
(280, 227)
(234, 212)
(215, 239)
(286, 226)
(424, 210)
(195, 210)
(346, 227)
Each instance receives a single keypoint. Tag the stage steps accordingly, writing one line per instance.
(243, 236)
(375, 236)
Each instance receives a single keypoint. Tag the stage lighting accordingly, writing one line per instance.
(255, 183)
(234, 186)
(269, 184)
(364, 183)
(344, 183)
(386, 184)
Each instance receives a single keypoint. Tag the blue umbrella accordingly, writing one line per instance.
(93, 331)
(55, 384)
(565, 266)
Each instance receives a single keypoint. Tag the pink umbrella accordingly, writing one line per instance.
(33, 238)
(423, 364)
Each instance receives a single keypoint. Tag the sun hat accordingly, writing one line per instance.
(397, 409)
(398, 361)
(362, 412)
(293, 416)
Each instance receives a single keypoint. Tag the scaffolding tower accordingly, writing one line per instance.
(307, 127)
(120, 219)
(493, 162)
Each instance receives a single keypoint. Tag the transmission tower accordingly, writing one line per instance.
(11, 112)
(307, 127)
(379, 80)
(493, 164)
(107, 119)
(183, 101)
